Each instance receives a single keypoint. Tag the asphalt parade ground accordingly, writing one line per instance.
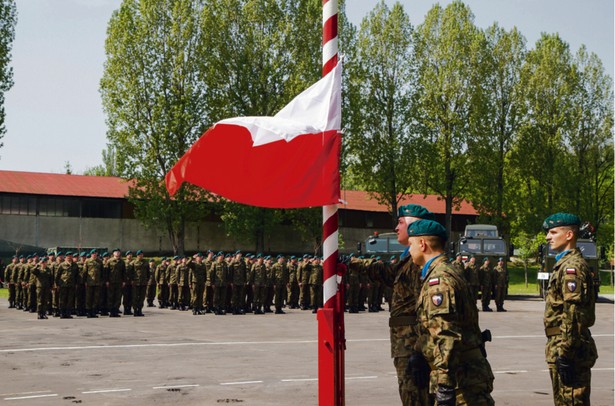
(175, 358)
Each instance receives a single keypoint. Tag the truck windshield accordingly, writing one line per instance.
(472, 246)
(480, 233)
(494, 246)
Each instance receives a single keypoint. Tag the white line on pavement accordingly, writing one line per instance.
(33, 397)
(240, 383)
(24, 393)
(360, 377)
(300, 380)
(520, 371)
(175, 386)
(224, 343)
(106, 390)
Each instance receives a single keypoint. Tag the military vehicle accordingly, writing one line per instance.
(480, 241)
(385, 243)
(589, 249)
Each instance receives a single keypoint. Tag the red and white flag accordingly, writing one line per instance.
(290, 160)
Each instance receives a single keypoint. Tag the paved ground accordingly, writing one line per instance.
(174, 358)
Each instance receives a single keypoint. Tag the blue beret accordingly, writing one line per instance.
(293, 257)
(129, 252)
(392, 257)
(105, 254)
(82, 254)
(21, 257)
(59, 253)
(485, 259)
(427, 227)
(561, 219)
(500, 259)
(279, 256)
(139, 252)
(43, 259)
(414, 210)
(175, 257)
(237, 252)
(198, 254)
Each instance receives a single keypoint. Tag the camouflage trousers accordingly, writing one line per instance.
(410, 395)
(196, 295)
(571, 395)
(467, 397)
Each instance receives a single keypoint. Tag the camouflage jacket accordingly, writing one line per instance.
(449, 335)
(161, 275)
(93, 272)
(500, 277)
(471, 275)
(239, 272)
(138, 272)
(183, 274)
(258, 275)
(66, 274)
(280, 274)
(219, 273)
(197, 273)
(402, 323)
(486, 277)
(570, 311)
(43, 275)
(117, 271)
(316, 275)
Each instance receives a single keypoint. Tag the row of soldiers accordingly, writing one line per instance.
(486, 282)
(70, 284)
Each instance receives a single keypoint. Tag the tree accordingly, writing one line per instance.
(499, 123)
(156, 105)
(449, 49)
(8, 20)
(527, 248)
(591, 142)
(109, 167)
(379, 145)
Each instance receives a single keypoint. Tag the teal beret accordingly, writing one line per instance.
(392, 257)
(139, 252)
(116, 249)
(82, 254)
(500, 259)
(427, 227)
(129, 252)
(414, 210)
(561, 219)
(105, 254)
(485, 259)
(176, 257)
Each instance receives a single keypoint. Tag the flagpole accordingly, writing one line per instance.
(331, 339)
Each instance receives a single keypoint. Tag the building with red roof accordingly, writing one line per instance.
(48, 210)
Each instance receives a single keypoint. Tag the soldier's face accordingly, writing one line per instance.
(559, 238)
(416, 251)
(402, 230)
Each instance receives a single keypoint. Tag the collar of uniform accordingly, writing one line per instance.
(426, 266)
(405, 253)
(560, 255)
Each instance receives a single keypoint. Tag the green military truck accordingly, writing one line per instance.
(381, 244)
(482, 240)
(546, 258)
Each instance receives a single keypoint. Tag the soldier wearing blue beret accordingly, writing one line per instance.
(569, 313)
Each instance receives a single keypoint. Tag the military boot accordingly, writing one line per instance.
(501, 309)
(487, 309)
(127, 311)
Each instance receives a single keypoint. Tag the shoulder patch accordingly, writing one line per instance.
(437, 299)
(434, 281)
(571, 271)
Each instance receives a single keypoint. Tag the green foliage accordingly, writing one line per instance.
(249, 223)
(379, 143)
(110, 165)
(155, 102)
(8, 20)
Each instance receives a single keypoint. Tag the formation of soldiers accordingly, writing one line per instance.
(67, 284)
(486, 282)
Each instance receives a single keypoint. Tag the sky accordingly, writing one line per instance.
(54, 113)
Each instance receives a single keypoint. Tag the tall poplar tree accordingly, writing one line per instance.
(8, 20)
(379, 139)
(156, 105)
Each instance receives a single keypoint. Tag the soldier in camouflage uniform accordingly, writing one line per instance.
(138, 275)
(258, 280)
(449, 336)
(239, 271)
(218, 274)
(104, 288)
(500, 283)
(280, 283)
(183, 283)
(65, 279)
(80, 286)
(197, 278)
(151, 284)
(127, 290)
(569, 313)
(403, 321)
(9, 273)
(354, 284)
(172, 280)
(52, 299)
(163, 284)
(471, 275)
(269, 291)
(116, 280)
(486, 284)
(303, 271)
(376, 276)
(31, 279)
(316, 280)
(93, 282)
(293, 284)
(458, 264)
(43, 278)
(208, 296)
(18, 279)
(389, 279)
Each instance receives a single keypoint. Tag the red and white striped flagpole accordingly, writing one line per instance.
(330, 317)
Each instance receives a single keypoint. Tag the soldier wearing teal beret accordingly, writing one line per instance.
(402, 323)
(569, 313)
(449, 334)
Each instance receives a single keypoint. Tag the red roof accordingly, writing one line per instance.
(359, 200)
(34, 183)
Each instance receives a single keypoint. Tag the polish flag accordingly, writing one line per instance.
(290, 160)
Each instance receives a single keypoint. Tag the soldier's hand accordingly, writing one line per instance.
(445, 396)
(565, 369)
(419, 370)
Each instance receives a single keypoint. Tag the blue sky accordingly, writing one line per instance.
(54, 112)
